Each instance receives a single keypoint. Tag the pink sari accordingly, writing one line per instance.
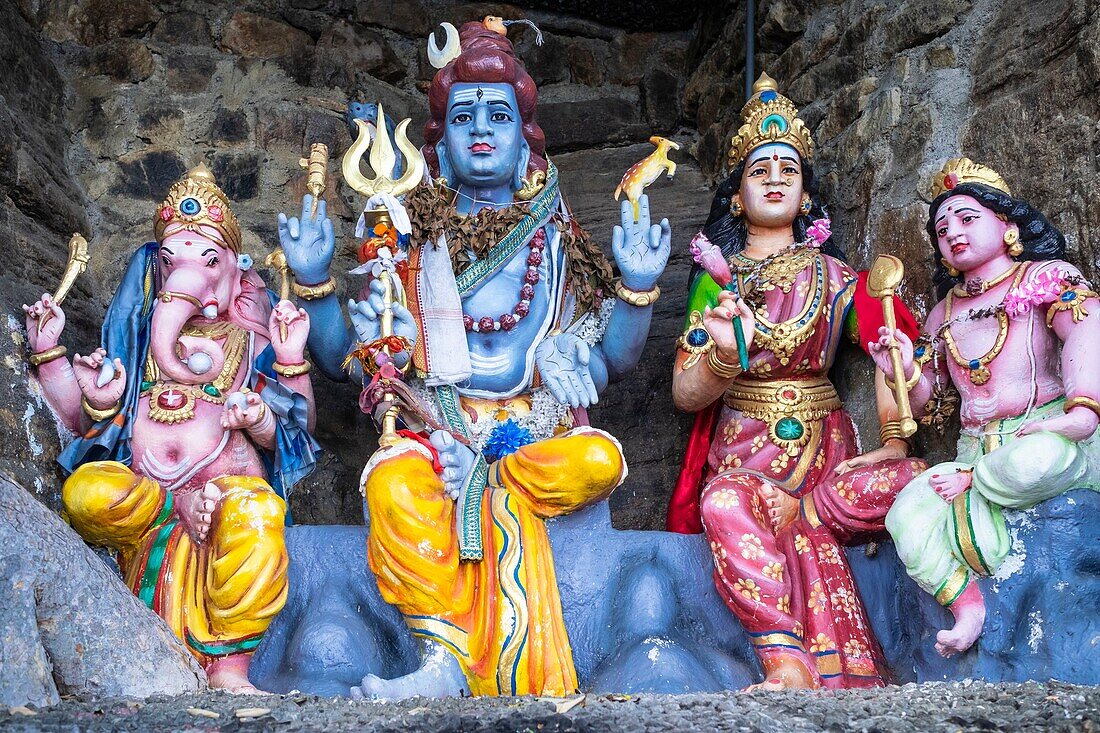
(783, 426)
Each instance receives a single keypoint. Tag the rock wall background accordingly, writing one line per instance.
(108, 102)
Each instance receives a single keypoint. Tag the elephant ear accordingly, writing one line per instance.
(251, 308)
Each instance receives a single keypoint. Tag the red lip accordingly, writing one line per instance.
(958, 247)
(481, 148)
(774, 195)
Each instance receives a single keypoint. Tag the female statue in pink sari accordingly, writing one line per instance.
(783, 485)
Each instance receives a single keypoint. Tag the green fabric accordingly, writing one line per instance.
(704, 292)
(1017, 473)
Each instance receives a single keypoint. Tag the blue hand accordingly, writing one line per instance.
(366, 317)
(309, 242)
(563, 362)
(641, 251)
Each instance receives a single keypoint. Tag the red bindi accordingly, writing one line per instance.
(775, 156)
(187, 244)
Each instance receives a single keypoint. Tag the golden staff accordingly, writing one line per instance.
(78, 263)
(883, 279)
(316, 164)
(382, 160)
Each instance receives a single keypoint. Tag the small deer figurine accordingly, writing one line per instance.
(646, 171)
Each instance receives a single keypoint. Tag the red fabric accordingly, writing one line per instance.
(436, 465)
(683, 507)
(869, 315)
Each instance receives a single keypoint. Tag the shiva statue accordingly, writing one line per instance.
(773, 450)
(510, 324)
(191, 422)
(1029, 410)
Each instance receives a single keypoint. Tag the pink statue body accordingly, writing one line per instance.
(199, 394)
(1029, 411)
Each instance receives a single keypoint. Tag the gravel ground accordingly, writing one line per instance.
(929, 707)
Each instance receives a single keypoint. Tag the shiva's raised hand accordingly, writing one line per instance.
(309, 242)
(640, 249)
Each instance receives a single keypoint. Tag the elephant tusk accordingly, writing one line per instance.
(106, 374)
(450, 51)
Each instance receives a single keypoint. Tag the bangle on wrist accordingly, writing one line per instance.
(291, 370)
(638, 298)
(99, 415)
(721, 368)
(1081, 401)
(39, 358)
(909, 383)
(261, 418)
(891, 430)
(314, 292)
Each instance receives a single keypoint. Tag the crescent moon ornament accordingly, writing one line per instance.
(440, 57)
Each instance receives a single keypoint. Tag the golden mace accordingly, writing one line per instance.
(78, 263)
(883, 279)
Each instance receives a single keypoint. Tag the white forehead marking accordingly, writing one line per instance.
(470, 94)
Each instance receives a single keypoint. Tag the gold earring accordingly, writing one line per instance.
(736, 209)
(950, 270)
(807, 204)
(1012, 241)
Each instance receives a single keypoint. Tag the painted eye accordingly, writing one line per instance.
(167, 262)
(758, 172)
(790, 169)
(212, 262)
(501, 117)
(942, 231)
(461, 118)
(968, 219)
(190, 206)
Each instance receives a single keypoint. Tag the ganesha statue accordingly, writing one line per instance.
(1012, 344)
(772, 474)
(507, 323)
(190, 424)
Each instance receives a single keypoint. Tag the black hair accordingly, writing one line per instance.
(730, 232)
(1041, 239)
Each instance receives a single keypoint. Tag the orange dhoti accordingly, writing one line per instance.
(500, 616)
(218, 596)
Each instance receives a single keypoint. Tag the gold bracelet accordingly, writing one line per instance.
(638, 299)
(99, 415)
(891, 430)
(291, 370)
(720, 368)
(42, 357)
(909, 383)
(314, 292)
(1081, 401)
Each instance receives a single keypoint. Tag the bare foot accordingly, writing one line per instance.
(231, 674)
(439, 675)
(196, 510)
(969, 612)
(782, 507)
(784, 673)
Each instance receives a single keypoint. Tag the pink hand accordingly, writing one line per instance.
(294, 322)
(880, 352)
(950, 485)
(234, 417)
(50, 334)
(87, 376)
(1078, 424)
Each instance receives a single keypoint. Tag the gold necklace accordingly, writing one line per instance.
(978, 369)
(172, 403)
(966, 290)
(782, 338)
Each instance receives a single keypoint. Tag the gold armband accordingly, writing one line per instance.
(42, 357)
(1080, 401)
(891, 430)
(291, 370)
(99, 415)
(314, 292)
(639, 299)
(720, 368)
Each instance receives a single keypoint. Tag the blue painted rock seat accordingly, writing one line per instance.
(643, 615)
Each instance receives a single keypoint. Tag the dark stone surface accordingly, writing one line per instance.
(148, 174)
(230, 126)
(238, 174)
(255, 36)
(346, 51)
(68, 625)
(122, 59)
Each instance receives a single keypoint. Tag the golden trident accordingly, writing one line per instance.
(382, 160)
(883, 279)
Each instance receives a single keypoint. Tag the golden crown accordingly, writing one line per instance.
(196, 200)
(769, 118)
(964, 170)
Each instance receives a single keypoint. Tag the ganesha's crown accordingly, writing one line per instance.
(769, 118)
(196, 200)
(963, 170)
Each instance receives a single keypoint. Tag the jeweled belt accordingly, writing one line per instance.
(790, 408)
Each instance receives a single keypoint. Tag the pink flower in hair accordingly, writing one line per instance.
(708, 256)
(819, 232)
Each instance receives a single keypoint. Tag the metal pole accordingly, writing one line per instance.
(750, 44)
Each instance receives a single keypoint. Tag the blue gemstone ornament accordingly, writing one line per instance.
(767, 96)
(1068, 296)
(789, 428)
(190, 206)
(974, 364)
(698, 337)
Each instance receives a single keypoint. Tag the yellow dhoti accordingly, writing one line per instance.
(501, 616)
(218, 597)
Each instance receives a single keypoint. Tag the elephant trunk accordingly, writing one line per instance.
(198, 360)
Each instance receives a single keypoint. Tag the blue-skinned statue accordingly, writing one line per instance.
(508, 324)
